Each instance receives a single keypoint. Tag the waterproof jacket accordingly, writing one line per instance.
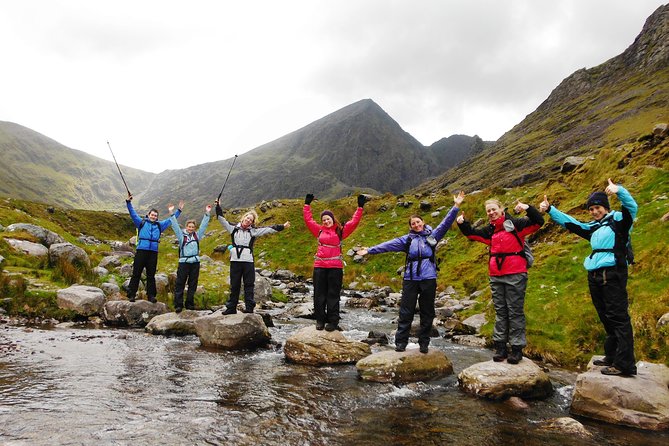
(243, 252)
(189, 244)
(329, 254)
(601, 234)
(503, 242)
(420, 258)
(148, 233)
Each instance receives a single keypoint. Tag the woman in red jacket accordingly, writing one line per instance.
(329, 264)
(507, 267)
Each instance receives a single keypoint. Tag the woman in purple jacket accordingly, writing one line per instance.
(420, 274)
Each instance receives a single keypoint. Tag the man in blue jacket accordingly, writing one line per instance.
(608, 234)
(146, 256)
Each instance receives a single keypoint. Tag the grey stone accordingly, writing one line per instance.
(29, 248)
(69, 253)
(500, 380)
(404, 367)
(314, 347)
(45, 236)
(82, 299)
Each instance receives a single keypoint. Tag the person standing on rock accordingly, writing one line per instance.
(420, 273)
(242, 265)
(507, 268)
(189, 259)
(149, 230)
(608, 235)
(329, 262)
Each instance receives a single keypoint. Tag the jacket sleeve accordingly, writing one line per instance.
(395, 245)
(259, 232)
(477, 235)
(175, 226)
(203, 226)
(228, 227)
(309, 220)
(629, 205)
(350, 225)
(530, 224)
(136, 219)
(446, 223)
(164, 224)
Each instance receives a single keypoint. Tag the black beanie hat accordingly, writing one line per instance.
(598, 198)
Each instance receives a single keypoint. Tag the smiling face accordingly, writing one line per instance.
(417, 224)
(327, 221)
(247, 221)
(153, 216)
(597, 212)
(190, 227)
(494, 211)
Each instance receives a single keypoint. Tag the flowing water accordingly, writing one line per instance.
(75, 386)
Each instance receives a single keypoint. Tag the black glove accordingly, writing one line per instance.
(219, 211)
(309, 198)
(361, 200)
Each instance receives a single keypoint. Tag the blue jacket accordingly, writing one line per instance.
(600, 234)
(189, 246)
(148, 233)
(420, 251)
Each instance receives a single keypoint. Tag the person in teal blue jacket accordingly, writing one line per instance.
(189, 259)
(146, 255)
(608, 234)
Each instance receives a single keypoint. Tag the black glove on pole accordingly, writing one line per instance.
(309, 198)
(361, 200)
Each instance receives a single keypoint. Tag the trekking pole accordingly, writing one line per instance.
(226, 178)
(119, 170)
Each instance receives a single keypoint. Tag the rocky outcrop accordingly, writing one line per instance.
(45, 237)
(69, 253)
(28, 248)
(175, 324)
(123, 313)
(314, 347)
(242, 331)
(499, 380)
(82, 299)
(566, 425)
(404, 367)
(640, 401)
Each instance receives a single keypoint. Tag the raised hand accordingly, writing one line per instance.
(181, 205)
(207, 208)
(461, 218)
(361, 200)
(544, 205)
(612, 188)
(459, 198)
(129, 197)
(286, 225)
(520, 206)
(170, 208)
(309, 198)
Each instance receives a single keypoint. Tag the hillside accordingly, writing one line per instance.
(605, 106)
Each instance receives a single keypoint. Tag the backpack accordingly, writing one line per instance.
(185, 241)
(431, 258)
(240, 248)
(622, 248)
(527, 251)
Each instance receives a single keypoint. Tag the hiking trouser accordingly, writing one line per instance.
(239, 271)
(423, 292)
(144, 259)
(327, 288)
(508, 297)
(608, 290)
(186, 272)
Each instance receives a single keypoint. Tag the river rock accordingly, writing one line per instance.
(241, 331)
(469, 340)
(415, 329)
(320, 347)
(175, 324)
(284, 274)
(28, 248)
(567, 425)
(131, 314)
(499, 380)
(45, 236)
(262, 291)
(404, 367)
(82, 299)
(361, 302)
(162, 283)
(475, 322)
(641, 401)
(305, 310)
(69, 253)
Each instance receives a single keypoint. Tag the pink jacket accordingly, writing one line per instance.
(329, 244)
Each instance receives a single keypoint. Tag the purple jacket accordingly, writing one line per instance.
(419, 265)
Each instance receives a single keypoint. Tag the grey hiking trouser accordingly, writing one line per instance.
(508, 297)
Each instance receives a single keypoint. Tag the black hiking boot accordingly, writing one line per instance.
(516, 355)
(602, 362)
(131, 299)
(400, 347)
(501, 353)
(423, 348)
(330, 326)
(230, 311)
(152, 299)
(320, 325)
(178, 309)
(615, 371)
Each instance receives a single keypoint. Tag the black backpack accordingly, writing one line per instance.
(622, 248)
(240, 248)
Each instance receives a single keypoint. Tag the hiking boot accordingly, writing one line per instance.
(423, 348)
(330, 327)
(501, 353)
(190, 306)
(230, 311)
(178, 309)
(400, 347)
(247, 311)
(516, 355)
(152, 299)
(131, 299)
(614, 371)
(320, 325)
(602, 362)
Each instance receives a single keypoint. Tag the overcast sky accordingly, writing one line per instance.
(172, 84)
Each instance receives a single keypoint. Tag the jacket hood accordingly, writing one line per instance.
(427, 230)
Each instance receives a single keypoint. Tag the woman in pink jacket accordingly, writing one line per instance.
(329, 264)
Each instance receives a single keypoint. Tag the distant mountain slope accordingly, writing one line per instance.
(37, 168)
(605, 106)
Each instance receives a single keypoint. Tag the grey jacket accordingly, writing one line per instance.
(243, 238)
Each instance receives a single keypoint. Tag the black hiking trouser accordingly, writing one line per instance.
(144, 259)
(186, 272)
(608, 289)
(327, 289)
(423, 292)
(242, 271)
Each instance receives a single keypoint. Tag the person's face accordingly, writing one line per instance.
(153, 216)
(493, 211)
(597, 212)
(190, 227)
(417, 224)
(327, 221)
(247, 221)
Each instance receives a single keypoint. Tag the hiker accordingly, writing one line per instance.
(420, 273)
(329, 262)
(189, 259)
(146, 255)
(507, 269)
(608, 234)
(243, 236)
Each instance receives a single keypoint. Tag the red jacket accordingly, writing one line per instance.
(501, 241)
(329, 244)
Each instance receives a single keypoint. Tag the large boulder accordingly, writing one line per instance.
(110, 262)
(500, 380)
(241, 331)
(319, 347)
(162, 283)
(262, 291)
(475, 322)
(403, 367)
(28, 248)
(175, 324)
(304, 310)
(123, 313)
(641, 401)
(69, 253)
(45, 236)
(82, 299)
